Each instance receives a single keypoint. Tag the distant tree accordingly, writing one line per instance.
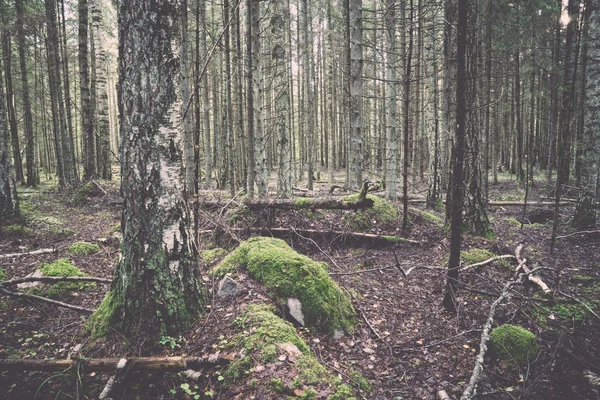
(89, 142)
(391, 99)
(156, 288)
(355, 150)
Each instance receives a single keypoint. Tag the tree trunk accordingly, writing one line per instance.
(33, 178)
(458, 158)
(188, 134)
(355, 150)
(260, 140)
(390, 102)
(10, 105)
(406, 148)
(103, 132)
(308, 93)
(9, 203)
(89, 142)
(585, 212)
(156, 289)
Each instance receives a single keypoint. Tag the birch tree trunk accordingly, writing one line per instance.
(390, 100)
(260, 141)
(101, 118)
(308, 95)
(156, 289)
(9, 204)
(585, 212)
(188, 134)
(355, 150)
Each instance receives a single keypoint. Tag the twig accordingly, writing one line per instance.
(362, 271)
(44, 299)
(481, 264)
(318, 247)
(580, 302)
(369, 324)
(29, 253)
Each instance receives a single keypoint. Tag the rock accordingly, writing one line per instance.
(228, 288)
(29, 285)
(294, 307)
(338, 334)
(291, 349)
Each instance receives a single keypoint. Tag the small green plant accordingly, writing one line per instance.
(16, 230)
(189, 391)
(172, 342)
(2, 274)
(511, 342)
(210, 256)
(83, 248)
(277, 385)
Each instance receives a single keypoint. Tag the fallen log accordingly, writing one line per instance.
(368, 239)
(301, 203)
(29, 253)
(109, 364)
(114, 380)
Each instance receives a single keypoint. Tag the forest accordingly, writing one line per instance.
(294, 199)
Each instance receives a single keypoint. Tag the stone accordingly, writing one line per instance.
(294, 307)
(293, 352)
(228, 288)
(29, 285)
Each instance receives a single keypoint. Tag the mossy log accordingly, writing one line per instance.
(109, 364)
(322, 203)
(337, 237)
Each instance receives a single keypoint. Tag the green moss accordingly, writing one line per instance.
(83, 248)
(381, 213)
(511, 342)
(343, 393)
(360, 382)
(286, 273)
(311, 371)
(81, 196)
(277, 385)
(209, 256)
(63, 267)
(16, 230)
(430, 217)
(2, 274)
(97, 324)
(302, 202)
(474, 256)
(513, 222)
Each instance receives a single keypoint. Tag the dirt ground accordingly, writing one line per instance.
(404, 344)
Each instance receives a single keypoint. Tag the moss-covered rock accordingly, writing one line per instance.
(264, 339)
(83, 248)
(432, 218)
(288, 274)
(514, 343)
(381, 213)
(210, 256)
(63, 267)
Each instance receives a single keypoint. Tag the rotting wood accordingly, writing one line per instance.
(109, 364)
(368, 239)
(114, 380)
(312, 203)
(29, 253)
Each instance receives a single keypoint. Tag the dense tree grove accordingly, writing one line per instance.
(427, 94)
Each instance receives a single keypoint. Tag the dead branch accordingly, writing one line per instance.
(29, 253)
(109, 364)
(114, 380)
(532, 278)
(98, 187)
(54, 279)
(369, 324)
(469, 391)
(442, 395)
(44, 299)
(489, 260)
(576, 233)
(362, 271)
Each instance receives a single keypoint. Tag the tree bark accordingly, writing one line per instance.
(355, 150)
(390, 102)
(156, 289)
(89, 142)
(9, 203)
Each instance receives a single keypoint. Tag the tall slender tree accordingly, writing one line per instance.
(89, 142)
(9, 203)
(390, 100)
(355, 149)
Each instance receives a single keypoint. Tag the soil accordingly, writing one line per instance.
(404, 344)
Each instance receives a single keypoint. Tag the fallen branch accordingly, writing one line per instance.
(576, 233)
(109, 364)
(337, 236)
(29, 253)
(312, 203)
(532, 278)
(114, 380)
(54, 279)
(489, 260)
(44, 299)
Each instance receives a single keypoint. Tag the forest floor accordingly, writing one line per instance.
(404, 345)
